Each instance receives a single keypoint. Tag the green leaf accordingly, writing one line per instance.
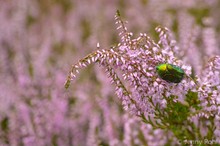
(54, 140)
(192, 99)
(4, 124)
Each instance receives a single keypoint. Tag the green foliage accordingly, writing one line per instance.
(175, 117)
(86, 30)
(193, 100)
(151, 31)
(144, 2)
(54, 140)
(5, 124)
(5, 130)
(65, 4)
(30, 20)
(72, 101)
(175, 24)
(103, 143)
(199, 14)
(31, 69)
(59, 48)
(175, 27)
(176, 113)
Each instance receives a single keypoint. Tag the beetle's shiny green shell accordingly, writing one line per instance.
(170, 73)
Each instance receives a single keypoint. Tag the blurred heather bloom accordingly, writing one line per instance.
(131, 67)
(209, 91)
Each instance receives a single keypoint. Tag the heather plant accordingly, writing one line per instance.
(187, 110)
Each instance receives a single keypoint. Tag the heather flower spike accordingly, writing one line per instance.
(155, 85)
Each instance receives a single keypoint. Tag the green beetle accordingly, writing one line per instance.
(170, 73)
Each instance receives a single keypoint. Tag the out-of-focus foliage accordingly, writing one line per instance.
(40, 40)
